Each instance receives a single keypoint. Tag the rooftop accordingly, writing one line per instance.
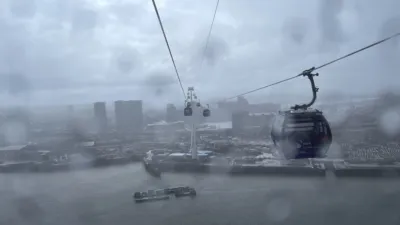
(12, 148)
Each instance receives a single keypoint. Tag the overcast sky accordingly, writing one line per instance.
(77, 51)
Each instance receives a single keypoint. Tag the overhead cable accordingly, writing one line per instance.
(319, 67)
(209, 35)
(169, 49)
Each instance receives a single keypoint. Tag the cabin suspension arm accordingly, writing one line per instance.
(308, 73)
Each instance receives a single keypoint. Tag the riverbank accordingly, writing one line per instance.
(64, 166)
(263, 170)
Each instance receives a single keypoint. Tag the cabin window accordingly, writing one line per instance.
(300, 125)
(325, 129)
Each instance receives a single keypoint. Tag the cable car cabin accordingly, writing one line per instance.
(206, 113)
(302, 134)
(188, 111)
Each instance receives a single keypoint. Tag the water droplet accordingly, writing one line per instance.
(390, 122)
(279, 209)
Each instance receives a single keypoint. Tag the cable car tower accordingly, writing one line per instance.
(195, 110)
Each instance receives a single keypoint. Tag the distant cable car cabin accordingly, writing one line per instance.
(206, 112)
(188, 111)
(302, 132)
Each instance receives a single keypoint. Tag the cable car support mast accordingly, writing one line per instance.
(193, 145)
(195, 111)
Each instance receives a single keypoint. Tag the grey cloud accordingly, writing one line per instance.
(84, 19)
(296, 36)
(18, 83)
(15, 84)
(389, 54)
(160, 83)
(23, 8)
(390, 27)
(58, 11)
(217, 48)
(159, 79)
(203, 61)
(69, 47)
(295, 30)
(128, 12)
(127, 59)
(329, 23)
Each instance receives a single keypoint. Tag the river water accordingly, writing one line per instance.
(104, 196)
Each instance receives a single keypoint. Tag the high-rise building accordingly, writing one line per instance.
(239, 120)
(172, 115)
(129, 116)
(119, 116)
(100, 114)
(16, 127)
(234, 106)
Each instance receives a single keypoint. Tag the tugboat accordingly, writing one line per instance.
(185, 191)
(151, 195)
(173, 190)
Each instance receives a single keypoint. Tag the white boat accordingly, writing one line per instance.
(151, 195)
(185, 191)
(173, 190)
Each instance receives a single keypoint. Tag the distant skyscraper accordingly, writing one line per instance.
(119, 116)
(100, 115)
(16, 127)
(234, 106)
(171, 113)
(239, 121)
(129, 116)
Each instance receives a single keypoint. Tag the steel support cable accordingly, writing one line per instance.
(169, 48)
(319, 67)
(208, 36)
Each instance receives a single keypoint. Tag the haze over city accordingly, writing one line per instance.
(81, 52)
(94, 128)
